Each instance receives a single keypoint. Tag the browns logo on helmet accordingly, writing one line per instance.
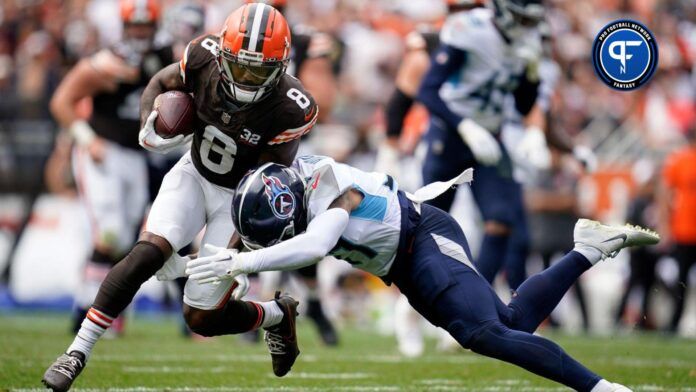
(254, 52)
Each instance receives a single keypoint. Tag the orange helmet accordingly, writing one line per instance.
(254, 51)
(139, 11)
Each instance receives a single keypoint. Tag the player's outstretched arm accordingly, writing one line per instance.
(322, 234)
(168, 78)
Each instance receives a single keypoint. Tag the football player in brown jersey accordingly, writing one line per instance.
(109, 166)
(250, 111)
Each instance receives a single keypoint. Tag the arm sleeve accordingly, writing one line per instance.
(396, 110)
(446, 62)
(322, 234)
(526, 95)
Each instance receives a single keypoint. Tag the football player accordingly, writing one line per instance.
(250, 111)
(312, 61)
(420, 45)
(109, 165)
(295, 216)
(485, 56)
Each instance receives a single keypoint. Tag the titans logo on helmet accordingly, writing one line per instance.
(280, 198)
(624, 54)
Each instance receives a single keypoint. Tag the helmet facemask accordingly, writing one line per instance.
(246, 77)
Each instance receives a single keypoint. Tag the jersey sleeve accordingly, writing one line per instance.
(463, 30)
(299, 113)
(198, 52)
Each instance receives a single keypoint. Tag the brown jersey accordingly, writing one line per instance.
(229, 139)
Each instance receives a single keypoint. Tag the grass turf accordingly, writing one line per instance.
(154, 356)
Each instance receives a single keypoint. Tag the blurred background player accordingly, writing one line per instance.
(485, 56)
(312, 55)
(110, 167)
(643, 210)
(420, 45)
(677, 206)
(249, 112)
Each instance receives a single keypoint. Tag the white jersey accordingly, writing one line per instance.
(371, 239)
(490, 71)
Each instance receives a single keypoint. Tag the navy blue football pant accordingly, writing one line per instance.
(434, 271)
(497, 195)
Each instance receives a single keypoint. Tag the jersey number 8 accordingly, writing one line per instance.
(299, 98)
(224, 154)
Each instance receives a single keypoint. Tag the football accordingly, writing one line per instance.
(176, 114)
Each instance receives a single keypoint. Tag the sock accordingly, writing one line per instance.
(603, 386)
(493, 250)
(272, 314)
(93, 327)
(593, 255)
(540, 294)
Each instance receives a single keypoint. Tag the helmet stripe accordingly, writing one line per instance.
(262, 29)
(256, 27)
(249, 19)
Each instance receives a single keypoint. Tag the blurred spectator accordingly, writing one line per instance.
(642, 211)
(552, 204)
(677, 203)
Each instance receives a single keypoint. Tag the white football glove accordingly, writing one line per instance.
(482, 144)
(388, 160)
(586, 157)
(173, 268)
(151, 141)
(533, 149)
(242, 286)
(220, 265)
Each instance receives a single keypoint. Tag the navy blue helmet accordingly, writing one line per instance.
(268, 206)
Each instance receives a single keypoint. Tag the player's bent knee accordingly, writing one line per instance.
(199, 320)
(158, 241)
(487, 340)
(492, 227)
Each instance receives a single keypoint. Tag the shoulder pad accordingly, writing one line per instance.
(199, 52)
(298, 112)
(464, 30)
(329, 180)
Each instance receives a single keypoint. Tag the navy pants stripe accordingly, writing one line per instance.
(454, 296)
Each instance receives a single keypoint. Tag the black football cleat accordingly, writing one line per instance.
(61, 374)
(281, 338)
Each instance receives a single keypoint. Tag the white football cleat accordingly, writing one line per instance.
(609, 240)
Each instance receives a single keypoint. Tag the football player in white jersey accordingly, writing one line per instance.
(295, 216)
(485, 56)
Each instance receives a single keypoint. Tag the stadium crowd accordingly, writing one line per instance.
(630, 133)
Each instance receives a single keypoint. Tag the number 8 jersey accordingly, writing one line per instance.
(229, 139)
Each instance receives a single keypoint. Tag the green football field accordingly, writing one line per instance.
(153, 356)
